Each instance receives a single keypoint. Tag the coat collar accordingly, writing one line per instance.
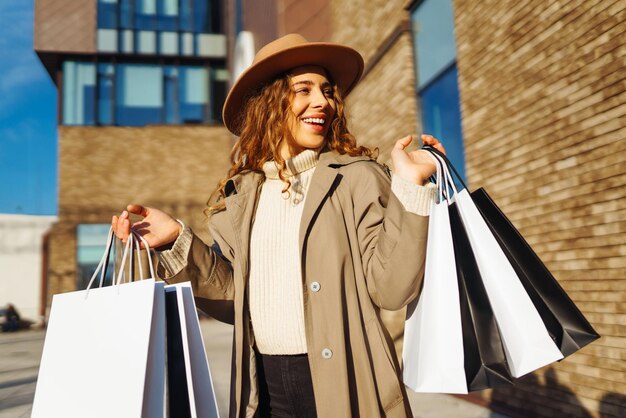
(242, 191)
(324, 178)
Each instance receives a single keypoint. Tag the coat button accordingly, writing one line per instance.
(315, 287)
(327, 353)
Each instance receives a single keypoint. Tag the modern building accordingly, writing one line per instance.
(530, 100)
(141, 85)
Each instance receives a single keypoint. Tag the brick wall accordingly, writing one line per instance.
(65, 26)
(383, 106)
(365, 25)
(311, 19)
(543, 91)
(102, 169)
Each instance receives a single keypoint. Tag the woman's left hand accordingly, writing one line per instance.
(415, 166)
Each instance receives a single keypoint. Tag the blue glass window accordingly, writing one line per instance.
(171, 95)
(105, 94)
(139, 97)
(436, 75)
(79, 93)
(219, 89)
(433, 33)
(196, 16)
(194, 97)
(145, 14)
(107, 14)
(167, 16)
(202, 16)
(141, 94)
(91, 243)
(126, 14)
(441, 115)
(186, 15)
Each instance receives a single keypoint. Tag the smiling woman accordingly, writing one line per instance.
(312, 109)
(311, 239)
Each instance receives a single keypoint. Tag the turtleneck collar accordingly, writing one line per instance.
(302, 162)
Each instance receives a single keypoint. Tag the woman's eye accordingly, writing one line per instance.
(328, 93)
(302, 91)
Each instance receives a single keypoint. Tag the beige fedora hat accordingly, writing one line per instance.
(344, 64)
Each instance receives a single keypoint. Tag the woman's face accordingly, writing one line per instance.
(312, 110)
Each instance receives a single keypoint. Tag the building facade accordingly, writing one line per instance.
(141, 85)
(530, 101)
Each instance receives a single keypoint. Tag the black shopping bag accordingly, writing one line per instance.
(485, 360)
(567, 326)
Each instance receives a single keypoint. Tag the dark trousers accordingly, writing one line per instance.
(285, 386)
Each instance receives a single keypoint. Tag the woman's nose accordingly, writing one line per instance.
(319, 99)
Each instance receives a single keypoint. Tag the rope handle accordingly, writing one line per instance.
(132, 244)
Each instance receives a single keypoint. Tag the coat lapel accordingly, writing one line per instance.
(323, 179)
(241, 207)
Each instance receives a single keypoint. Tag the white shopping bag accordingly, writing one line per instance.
(104, 352)
(432, 355)
(191, 390)
(526, 341)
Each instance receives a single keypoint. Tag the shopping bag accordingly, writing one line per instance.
(190, 386)
(567, 326)
(485, 360)
(432, 354)
(527, 344)
(102, 350)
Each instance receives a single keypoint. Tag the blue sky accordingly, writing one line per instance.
(28, 134)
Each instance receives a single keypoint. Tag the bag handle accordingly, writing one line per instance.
(447, 162)
(104, 261)
(133, 239)
(438, 179)
(140, 237)
(443, 179)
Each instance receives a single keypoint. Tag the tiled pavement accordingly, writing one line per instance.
(19, 363)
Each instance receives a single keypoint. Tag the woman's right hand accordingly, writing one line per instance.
(157, 227)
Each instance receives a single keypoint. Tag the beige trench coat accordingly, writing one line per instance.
(365, 252)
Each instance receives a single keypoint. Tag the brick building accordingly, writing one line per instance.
(140, 85)
(530, 99)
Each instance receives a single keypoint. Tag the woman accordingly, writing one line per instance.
(310, 242)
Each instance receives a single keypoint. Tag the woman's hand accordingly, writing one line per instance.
(415, 166)
(157, 227)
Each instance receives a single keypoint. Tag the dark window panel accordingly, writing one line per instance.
(167, 15)
(171, 94)
(441, 115)
(220, 90)
(145, 14)
(106, 88)
(107, 14)
(186, 15)
(202, 16)
(126, 14)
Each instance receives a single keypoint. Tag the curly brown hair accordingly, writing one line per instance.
(265, 127)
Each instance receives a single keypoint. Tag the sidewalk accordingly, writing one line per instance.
(19, 363)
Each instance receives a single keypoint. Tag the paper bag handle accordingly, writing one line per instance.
(101, 268)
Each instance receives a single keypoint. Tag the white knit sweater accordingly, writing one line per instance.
(276, 305)
(275, 285)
